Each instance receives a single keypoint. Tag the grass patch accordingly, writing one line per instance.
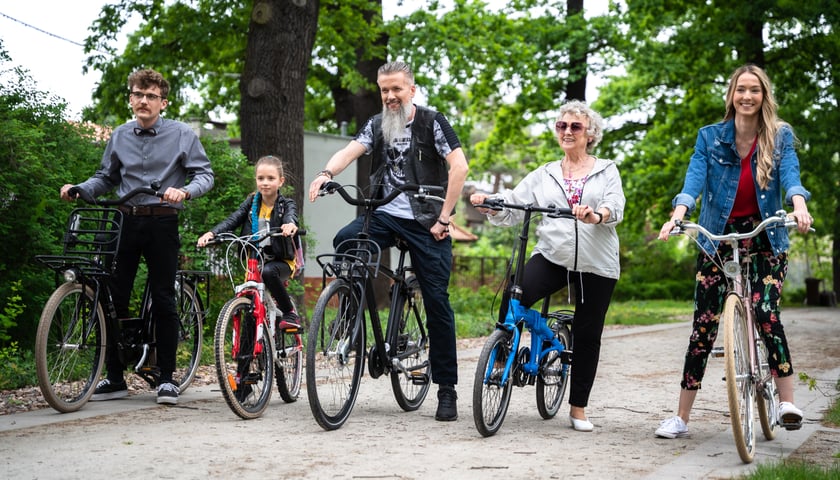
(649, 312)
(793, 470)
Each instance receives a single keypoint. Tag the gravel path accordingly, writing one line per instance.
(635, 389)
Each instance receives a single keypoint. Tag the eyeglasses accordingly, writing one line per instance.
(149, 96)
(577, 127)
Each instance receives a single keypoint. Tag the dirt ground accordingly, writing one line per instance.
(636, 388)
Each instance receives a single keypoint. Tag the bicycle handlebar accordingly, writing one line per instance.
(250, 238)
(781, 217)
(552, 210)
(78, 193)
(424, 192)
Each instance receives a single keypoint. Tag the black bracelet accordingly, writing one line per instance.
(326, 173)
(445, 224)
(600, 217)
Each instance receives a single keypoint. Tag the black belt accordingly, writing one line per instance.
(148, 210)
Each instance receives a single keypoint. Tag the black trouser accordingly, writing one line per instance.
(275, 274)
(155, 238)
(592, 299)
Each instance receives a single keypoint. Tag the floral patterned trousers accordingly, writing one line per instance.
(767, 274)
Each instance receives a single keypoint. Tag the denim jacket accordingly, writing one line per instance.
(715, 169)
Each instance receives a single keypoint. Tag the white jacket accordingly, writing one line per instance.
(578, 246)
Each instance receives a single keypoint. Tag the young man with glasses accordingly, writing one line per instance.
(149, 149)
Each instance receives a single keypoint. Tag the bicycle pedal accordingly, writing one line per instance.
(418, 378)
(791, 426)
(566, 357)
(717, 352)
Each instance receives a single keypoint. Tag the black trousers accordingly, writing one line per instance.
(592, 299)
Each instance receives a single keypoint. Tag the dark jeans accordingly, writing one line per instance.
(155, 238)
(592, 299)
(432, 262)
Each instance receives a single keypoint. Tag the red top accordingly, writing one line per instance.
(746, 203)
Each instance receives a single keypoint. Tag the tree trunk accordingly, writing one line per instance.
(578, 58)
(280, 39)
(273, 85)
(355, 107)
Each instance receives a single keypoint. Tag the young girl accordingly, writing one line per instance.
(264, 209)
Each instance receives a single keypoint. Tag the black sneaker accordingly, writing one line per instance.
(447, 410)
(167, 393)
(288, 321)
(108, 390)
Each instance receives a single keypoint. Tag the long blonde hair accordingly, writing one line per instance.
(768, 122)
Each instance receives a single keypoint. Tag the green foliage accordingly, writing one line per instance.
(39, 152)
(17, 367)
(13, 307)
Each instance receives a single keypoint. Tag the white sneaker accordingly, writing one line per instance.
(790, 417)
(673, 427)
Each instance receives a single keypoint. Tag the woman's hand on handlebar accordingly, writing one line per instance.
(480, 198)
(204, 239)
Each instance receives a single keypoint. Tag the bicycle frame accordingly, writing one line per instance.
(502, 363)
(749, 385)
(80, 318)
(534, 320)
(338, 341)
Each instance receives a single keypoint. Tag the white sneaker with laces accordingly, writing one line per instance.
(673, 427)
(790, 417)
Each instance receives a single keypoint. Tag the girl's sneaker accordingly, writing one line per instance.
(673, 427)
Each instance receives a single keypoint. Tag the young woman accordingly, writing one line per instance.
(740, 166)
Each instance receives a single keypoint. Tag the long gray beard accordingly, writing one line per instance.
(394, 122)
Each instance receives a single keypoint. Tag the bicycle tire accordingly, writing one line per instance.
(739, 387)
(411, 350)
(288, 367)
(553, 378)
(190, 332)
(70, 347)
(490, 398)
(244, 378)
(335, 354)
(766, 397)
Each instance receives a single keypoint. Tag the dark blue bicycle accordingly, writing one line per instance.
(504, 362)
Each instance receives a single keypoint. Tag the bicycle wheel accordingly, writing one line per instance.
(412, 350)
(334, 354)
(70, 347)
(244, 359)
(766, 396)
(490, 397)
(739, 386)
(553, 377)
(190, 331)
(288, 369)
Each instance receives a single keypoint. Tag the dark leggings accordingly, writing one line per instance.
(767, 274)
(592, 299)
(275, 274)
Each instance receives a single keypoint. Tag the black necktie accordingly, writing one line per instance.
(145, 132)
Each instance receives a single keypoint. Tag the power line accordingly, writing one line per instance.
(48, 33)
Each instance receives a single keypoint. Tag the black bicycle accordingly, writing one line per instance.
(70, 341)
(337, 340)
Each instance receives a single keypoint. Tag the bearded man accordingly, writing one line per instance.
(410, 144)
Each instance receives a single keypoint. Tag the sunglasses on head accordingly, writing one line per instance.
(561, 126)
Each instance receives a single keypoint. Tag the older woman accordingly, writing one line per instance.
(582, 252)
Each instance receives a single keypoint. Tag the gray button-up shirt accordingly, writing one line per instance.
(173, 157)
